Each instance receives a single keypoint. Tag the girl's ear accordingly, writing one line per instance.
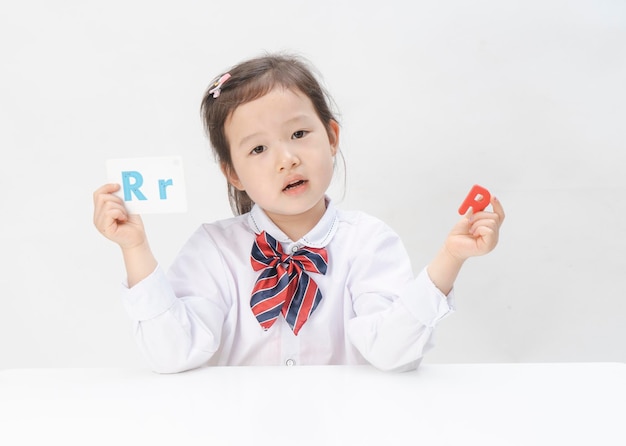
(333, 136)
(231, 176)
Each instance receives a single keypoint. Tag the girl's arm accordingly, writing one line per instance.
(174, 333)
(139, 262)
(393, 327)
(127, 230)
(473, 235)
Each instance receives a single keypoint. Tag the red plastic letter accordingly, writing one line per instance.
(478, 199)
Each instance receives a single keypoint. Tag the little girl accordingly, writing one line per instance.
(291, 279)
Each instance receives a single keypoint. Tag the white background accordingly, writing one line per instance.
(527, 98)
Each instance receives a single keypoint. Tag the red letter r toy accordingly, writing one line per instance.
(478, 199)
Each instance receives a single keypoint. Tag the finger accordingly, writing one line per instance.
(489, 223)
(109, 211)
(116, 211)
(108, 188)
(497, 214)
(488, 237)
(487, 232)
(497, 208)
(101, 199)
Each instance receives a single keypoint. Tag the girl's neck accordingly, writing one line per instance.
(297, 226)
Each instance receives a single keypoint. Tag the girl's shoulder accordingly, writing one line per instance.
(360, 221)
(360, 232)
(222, 231)
(227, 224)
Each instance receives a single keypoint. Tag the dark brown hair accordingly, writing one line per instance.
(250, 80)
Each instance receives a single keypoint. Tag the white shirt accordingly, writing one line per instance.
(373, 309)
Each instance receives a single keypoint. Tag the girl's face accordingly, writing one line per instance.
(283, 157)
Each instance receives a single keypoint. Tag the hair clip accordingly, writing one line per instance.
(217, 87)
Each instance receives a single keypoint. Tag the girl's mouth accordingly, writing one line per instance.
(294, 184)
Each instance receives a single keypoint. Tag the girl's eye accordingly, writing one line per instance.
(258, 149)
(299, 134)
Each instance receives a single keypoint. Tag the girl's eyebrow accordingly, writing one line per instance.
(297, 118)
(244, 141)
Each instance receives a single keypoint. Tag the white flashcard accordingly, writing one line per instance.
(149, 185)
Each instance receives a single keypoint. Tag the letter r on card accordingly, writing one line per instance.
(149, 185)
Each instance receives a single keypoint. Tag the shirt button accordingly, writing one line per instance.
(290, 362)
(295, 248)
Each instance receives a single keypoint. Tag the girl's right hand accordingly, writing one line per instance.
(113, 221)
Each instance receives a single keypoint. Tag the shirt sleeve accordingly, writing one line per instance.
(177, 318)
(396, 312)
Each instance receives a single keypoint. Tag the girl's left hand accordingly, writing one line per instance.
(476, 234)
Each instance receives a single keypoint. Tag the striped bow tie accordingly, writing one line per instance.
(283, 285)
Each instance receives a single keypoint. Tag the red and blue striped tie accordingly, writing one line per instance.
(283, 285)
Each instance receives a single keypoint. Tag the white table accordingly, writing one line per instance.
(476, 404)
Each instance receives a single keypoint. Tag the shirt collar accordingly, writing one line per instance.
(318, 237)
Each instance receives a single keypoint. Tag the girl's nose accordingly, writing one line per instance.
(287, 159)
